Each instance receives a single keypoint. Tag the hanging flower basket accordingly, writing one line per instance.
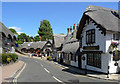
(83, 58)
(116, 64)
(114, 44)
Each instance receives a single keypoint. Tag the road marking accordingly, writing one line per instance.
(56, 79)
(41, 65)
(15, 78)
(37, 61)
(47, 70)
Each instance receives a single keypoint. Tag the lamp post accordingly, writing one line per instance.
(85, 69)
(108, 72)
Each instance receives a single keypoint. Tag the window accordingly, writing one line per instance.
(71, 56)
(90, 36)
(80, 43)
(116, 36)
(94, 60)
(74, 58)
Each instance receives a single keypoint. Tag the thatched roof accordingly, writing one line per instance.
(106, 19)
(58, 39)
(34, 45)
(71, 48)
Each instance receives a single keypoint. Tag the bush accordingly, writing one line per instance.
(4, 58)
(13, 56)
(49, 58)
(8, 57)
(8, 60)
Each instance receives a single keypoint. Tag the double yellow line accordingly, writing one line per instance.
(18, 74)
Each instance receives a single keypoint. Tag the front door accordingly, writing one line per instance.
(79, 61)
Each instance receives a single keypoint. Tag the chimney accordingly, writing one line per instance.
(77, 26)
(39, 38)
(24, 40)
(74, 27)
(70, 29)
(31, 40)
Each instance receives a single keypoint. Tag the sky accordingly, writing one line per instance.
(26, 16)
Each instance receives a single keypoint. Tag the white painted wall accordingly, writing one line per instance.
(100, 39)
(73, 63)
(104, 43)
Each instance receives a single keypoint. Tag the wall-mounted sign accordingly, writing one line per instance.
(91, 47)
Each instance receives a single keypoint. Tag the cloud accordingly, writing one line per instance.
(18, 30)
(37, 35)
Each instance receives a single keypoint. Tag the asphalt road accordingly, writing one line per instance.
(41, 71)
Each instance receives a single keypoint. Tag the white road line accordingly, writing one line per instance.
(56, 79)
(47, 70)
(37, 61)
(15, 79)
(41, 65)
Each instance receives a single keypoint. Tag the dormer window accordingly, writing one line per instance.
(90, 36)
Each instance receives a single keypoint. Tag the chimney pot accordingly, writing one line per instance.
(74, 27)
(77, 26)
(39, 38)
(70, 29)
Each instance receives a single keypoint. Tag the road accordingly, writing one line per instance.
(41, 71)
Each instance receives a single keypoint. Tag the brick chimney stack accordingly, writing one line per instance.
(70, 29)
(31, 40)
(39, 38)
(77, 26)
(74, 27)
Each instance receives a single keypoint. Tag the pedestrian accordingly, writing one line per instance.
(30, 54)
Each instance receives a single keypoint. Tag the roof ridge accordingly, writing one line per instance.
(99, 8)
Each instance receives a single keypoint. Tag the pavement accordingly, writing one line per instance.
(112, 77)
(78, 72)
(9, 70)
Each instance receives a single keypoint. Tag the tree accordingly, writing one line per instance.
(31, 38)
(21, 38)
(13, 31)
(45, 30)
(36, 38)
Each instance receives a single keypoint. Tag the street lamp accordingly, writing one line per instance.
(108, 72)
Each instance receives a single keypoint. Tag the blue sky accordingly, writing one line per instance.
(26, 16)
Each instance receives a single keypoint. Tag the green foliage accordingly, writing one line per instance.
(36, 38)
(13, 31)
(49, 58)
(21, 38)
(45, 30)
(4, 58)
(8, 60)
(8, 57)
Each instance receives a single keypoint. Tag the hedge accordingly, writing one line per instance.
(9, 57)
